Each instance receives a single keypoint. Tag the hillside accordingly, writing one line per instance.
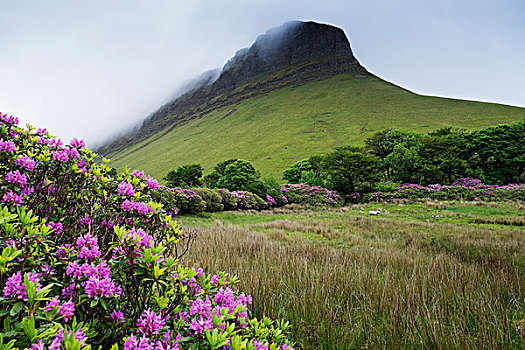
(281, 127)
(297, 91)
(290, 55)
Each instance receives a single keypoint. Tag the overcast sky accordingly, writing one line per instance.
(89, 68)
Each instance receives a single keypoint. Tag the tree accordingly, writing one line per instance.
(212, 179)
(383, 143)
(294, 173)
(499, 151)
(185, 176)
(350, 169)
(444, 156)
(240, 175)
(404, 164)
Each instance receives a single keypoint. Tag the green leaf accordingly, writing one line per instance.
(16, 309)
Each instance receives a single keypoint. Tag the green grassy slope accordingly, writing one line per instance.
(287, 125)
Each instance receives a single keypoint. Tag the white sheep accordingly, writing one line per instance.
(374, 212)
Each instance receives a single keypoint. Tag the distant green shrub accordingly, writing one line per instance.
(294, 173)
(212, 199)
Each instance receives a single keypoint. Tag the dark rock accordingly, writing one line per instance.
(290, 55)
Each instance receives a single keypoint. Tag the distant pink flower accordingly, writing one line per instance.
(16, 177)
(152, 183)
(258, 344)
(201, 307)
(10, 119)
(214, 281)
(138, 173)
(67, 309)
(72, 153)
(61, 156)
(7, 146)
(39, 345)
(117, 316)
(199, 325)
(14, 286)
(51, 304)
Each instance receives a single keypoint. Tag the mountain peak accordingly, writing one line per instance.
(292, 43)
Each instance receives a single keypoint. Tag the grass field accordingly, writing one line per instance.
(429, 275)
(285, 126)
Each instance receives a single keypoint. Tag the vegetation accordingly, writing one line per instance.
(187, 176)
(494, 155)
(285, 126)
(423, 275)
(90, 259)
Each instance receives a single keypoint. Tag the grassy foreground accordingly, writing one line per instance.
(291, 124)
(427, 275)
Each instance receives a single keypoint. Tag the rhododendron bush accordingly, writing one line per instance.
(89, 258)
(464, 188)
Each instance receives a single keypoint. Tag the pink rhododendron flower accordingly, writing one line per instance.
(77, 143)
(26, 163)
(12, 197)
(138, 173)
(125, 188)
(14, 286)
(7, 146)
(96, 287)
(150, 323)
(152, 183)
(61, 156)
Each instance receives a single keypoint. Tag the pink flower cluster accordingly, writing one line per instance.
(26, 162)
(14, 286)
(7, 146)
(126, 189)
(140, 207)
(66, 309)
(150, 323)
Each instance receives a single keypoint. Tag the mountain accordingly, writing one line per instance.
(297, 91)
(299, 51)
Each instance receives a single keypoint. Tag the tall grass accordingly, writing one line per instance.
(393, 285)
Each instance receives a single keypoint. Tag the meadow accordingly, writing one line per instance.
(424, 274)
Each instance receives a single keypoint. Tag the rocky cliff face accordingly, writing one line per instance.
(292, 54)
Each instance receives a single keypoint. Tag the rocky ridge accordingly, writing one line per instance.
(289, 55)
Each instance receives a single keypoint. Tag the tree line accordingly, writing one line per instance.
(495, 155)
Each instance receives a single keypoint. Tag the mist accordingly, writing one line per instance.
(93, 70)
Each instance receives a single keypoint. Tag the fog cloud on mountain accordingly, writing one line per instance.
(96, 68)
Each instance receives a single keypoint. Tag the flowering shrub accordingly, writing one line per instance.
(464, 188)
(90, 259)
(305, 194)
(242, 200)
(278, 199)
(229, 200)
(180, 201)
(212, 199)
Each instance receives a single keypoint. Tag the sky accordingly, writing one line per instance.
(93, 69)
